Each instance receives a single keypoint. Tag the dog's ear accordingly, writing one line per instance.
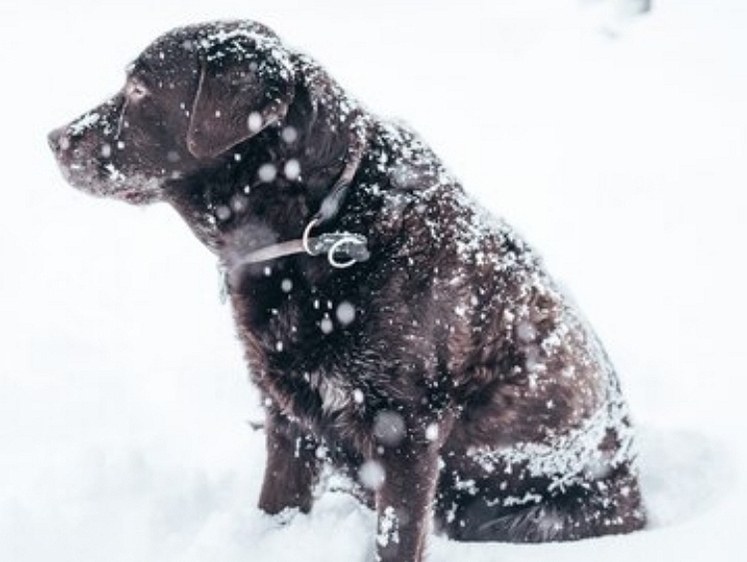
(246, 83)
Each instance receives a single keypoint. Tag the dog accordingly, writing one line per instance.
(395, 330)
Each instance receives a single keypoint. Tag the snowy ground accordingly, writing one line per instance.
(616, 144)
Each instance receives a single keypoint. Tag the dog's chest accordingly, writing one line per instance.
(334, 394)
(304, 344)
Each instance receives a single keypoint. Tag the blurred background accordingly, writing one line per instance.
(611, 133)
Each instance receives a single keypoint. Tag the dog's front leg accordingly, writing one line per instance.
(404, 501)
(292, 467)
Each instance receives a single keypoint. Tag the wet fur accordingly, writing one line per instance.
(464, 373)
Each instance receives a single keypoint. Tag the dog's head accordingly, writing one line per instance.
(190, 97)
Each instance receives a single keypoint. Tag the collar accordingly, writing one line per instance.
(333, 244)
(343, 249)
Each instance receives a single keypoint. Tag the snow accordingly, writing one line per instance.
(371, 475)
(289, 134)
(566, 459)
(345, 313)
(615, 143)
(388, 527)
(267, 172)
(85, 122)
(389, 428)
(292, 169)
(254, 122)
(326, 325)
(431, 432)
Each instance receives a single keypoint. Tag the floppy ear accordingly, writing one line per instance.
(245, 84)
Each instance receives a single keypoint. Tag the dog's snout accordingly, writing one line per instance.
(53, 139)
(59, 140)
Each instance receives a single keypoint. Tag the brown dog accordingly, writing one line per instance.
(389, 323)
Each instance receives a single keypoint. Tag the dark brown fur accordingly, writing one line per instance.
(446, 373)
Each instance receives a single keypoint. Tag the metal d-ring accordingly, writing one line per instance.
(306, 233)
(334, 247)
(331, 249)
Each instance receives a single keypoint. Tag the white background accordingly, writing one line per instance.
(616, 144)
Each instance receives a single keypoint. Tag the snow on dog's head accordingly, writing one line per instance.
(192, 95)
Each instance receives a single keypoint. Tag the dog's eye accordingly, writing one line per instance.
(136, 90)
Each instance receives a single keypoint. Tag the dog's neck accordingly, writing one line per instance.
(342, 249)
(336, 126)
(324, 135)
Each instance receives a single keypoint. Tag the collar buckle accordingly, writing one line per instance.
(354, 246)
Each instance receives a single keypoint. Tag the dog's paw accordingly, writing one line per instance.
(281, 519)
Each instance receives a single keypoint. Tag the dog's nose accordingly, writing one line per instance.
(58, 139)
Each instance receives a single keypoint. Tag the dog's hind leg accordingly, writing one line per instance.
(609, 506)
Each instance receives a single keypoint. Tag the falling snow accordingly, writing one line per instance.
(431, 432)
(579, 441)
(372, 475)
(289, 134)
(254, 122)
(222, 212)
(389, 428)
(292, 169)
(345, 313)
(326, 325)
(267, 172)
